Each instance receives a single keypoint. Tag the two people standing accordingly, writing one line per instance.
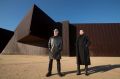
(55, 45)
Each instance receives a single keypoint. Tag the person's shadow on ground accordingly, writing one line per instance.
(95, 69)
(102, 68)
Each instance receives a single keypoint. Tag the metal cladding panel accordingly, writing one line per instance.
(65, 36)
(104, 37)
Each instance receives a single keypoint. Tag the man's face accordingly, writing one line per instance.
(81, 32)
(56, 33)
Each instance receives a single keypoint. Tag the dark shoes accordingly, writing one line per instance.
(86, 74)
(48, 74)
(78, 73)
(60, 74)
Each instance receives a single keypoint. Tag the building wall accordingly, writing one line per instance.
(105, 39)
(32, 35)
(5, 36)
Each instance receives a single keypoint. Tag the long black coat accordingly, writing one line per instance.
(82, 50)
(55, 47)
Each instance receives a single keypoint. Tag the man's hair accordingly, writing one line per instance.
(56, 30)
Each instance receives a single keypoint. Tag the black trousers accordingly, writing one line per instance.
(58, 65)
(78, 68)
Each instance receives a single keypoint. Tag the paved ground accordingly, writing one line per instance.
(35, 67)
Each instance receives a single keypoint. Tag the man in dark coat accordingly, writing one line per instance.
(82, 52)
(55, 48)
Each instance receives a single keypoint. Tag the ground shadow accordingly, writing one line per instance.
(103, 68)
(95, 69)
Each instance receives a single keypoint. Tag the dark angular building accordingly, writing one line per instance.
(5, 36)
(32, 34)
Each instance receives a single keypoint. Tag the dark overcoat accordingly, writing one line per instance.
(82, 50)
(55, 45)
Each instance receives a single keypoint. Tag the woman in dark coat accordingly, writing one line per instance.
(82, 52)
